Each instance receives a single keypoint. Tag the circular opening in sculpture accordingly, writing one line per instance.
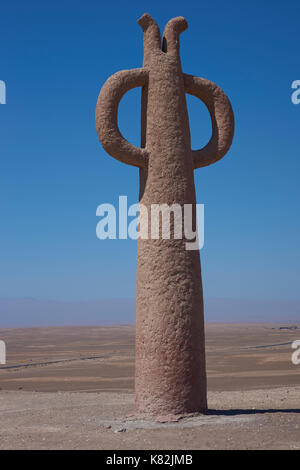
(200, 122)
(129, 116)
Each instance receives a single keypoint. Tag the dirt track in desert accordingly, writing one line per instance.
(72, 388)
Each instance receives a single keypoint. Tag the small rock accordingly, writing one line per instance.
(120, 430)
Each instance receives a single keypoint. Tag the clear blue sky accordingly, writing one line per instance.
(55, 56)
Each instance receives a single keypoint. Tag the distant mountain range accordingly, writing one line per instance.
(26, 312)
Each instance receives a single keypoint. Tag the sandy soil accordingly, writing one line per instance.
(71, 388)
(260, 419)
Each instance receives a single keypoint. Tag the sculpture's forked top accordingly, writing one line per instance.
(152, 39)
(159, 79)
(173, 29)
(151, 35)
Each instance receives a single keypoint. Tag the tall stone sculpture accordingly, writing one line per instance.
(170, 373)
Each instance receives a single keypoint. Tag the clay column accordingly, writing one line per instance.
(170, 374)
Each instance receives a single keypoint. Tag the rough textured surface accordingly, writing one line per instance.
(170, 376)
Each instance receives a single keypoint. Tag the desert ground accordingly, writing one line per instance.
(72, 388)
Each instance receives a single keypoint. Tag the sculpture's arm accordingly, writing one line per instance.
(221, 114)
(107, 117)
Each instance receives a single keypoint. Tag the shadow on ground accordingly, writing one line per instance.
(234, 412)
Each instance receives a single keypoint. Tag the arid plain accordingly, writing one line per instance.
(71, 388)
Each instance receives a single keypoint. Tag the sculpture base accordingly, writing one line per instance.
(167, 418)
